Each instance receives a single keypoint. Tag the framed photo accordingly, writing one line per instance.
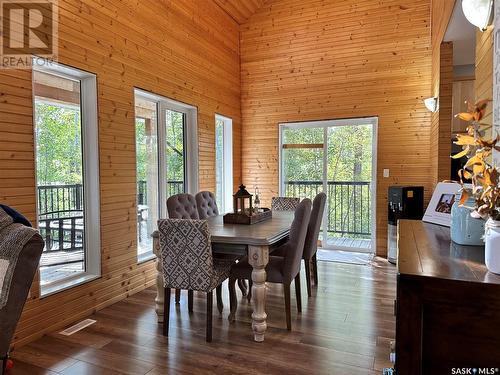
(439, 208)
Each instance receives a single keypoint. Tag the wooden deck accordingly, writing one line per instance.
(360, 244)
(344, 329)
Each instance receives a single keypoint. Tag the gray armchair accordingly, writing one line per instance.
(26, 266)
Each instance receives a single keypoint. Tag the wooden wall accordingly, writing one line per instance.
(445, 111)
(483, 86)
(441, 14)
(187, 50)
(339, 59)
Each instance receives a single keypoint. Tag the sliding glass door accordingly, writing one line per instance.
(337, 157)
(166, 160)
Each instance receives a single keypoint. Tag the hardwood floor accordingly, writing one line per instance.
(344, 329)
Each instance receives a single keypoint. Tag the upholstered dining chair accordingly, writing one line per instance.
(280, 269)
(311, 242)
(284, 203)
(207, 204)
(187, 263)
(207, 207)
(182, 206)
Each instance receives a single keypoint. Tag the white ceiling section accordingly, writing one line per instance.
(463, 35)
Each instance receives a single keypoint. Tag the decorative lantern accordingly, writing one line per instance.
(240, 203)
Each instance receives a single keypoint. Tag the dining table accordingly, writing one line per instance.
(253, 241)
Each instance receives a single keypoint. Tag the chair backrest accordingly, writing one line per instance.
(26, 266)
(295, 244)
(182, 206)
(186, 254)
(284, 203)
(207, 205)
(311, 243)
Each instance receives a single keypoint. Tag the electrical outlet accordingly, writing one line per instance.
(386, 173)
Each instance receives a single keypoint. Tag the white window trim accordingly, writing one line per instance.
(227, 163)
(326, 124)
(91, 187)
(191, 144)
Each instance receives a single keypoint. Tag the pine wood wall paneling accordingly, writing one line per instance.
(483, 85)
(240, 10)
(440, 16)
(445, 111)
(327, 60)
(187, 50)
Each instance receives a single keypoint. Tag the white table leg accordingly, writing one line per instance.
(159, 280)
(258, 257)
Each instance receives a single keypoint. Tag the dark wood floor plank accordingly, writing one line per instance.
(345, 328)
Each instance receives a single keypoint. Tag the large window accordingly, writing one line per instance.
(67, 175)
(223, 163)
(166, 160)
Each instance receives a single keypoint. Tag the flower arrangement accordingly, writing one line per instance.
(485, 177)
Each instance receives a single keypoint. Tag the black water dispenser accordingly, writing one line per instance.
(404, 202)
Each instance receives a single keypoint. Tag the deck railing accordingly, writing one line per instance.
(349, 204)
(60, 213)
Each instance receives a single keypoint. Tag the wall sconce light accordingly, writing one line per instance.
(478, 12)
(432, 104)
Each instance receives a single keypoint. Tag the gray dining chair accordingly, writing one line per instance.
(182, 206)
(280, 269)
(187, 263)
(207, 204)
(284, 203)
(311, 242)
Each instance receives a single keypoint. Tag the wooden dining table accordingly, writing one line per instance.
(252, 240)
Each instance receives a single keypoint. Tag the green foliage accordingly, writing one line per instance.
(349, 154)
(59, 144)
(349, 159)
(175, 146)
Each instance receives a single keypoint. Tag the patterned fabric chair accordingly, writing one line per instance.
(187, 263)
(280, 269)
(311, 242)
(284, 203)
(182, 206)
(207, 205)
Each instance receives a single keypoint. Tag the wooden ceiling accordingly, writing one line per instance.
(240, 10)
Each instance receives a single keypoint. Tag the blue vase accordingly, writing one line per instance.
(464, 229)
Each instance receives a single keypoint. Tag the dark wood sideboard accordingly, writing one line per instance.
(448, 305)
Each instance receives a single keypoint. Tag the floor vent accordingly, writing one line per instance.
(77, 327)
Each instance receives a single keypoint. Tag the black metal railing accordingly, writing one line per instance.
(60, 220)
(60, 213)
(173, 187)
(349, 204)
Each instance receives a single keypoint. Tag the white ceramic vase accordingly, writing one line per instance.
(492, 246)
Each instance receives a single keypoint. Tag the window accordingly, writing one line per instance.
(166, 160)
(223, 163)
(337, 157)
(67, 175)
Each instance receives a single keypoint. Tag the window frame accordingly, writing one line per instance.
(191, 181)
(227, 162)
(90, 179)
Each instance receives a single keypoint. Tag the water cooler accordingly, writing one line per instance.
(404, 202)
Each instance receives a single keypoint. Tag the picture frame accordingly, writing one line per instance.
(439, 209)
